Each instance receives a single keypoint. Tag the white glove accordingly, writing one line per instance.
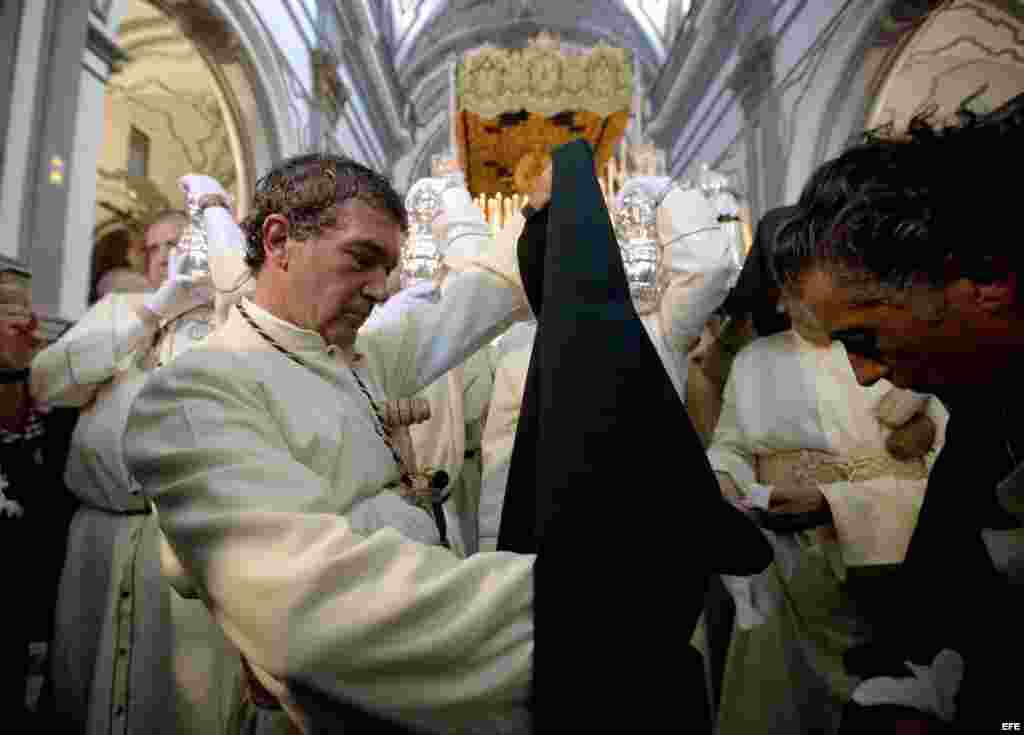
(653, 187)
(179, 293)
(460, 229)
(683, 215)
(11, 508)
(224, 237)
(198, 185)
(931, 689)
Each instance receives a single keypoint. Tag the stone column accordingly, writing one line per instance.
(10, 26)
(20, 156)
(100, 56)
(49, 161)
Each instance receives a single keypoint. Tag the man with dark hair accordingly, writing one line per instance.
(257, 446)
(895, 254)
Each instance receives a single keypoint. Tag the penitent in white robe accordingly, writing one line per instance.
(784, 670)
(255, 463)
(450, 440)
(698, 265)
(129, 656)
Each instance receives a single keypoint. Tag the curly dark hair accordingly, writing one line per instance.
(305, 189)
(894, 209)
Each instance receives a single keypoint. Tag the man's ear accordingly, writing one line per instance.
(999, 296)
(275, 239)
(996, 294)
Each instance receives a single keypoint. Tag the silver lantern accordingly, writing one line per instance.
(638, 242)
(194, 247)
(421, 256)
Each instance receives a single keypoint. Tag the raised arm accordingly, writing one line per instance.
(482, 296)
(730, 454)
(371, 619)
(225, 239)
(700, 264)
(70, 371)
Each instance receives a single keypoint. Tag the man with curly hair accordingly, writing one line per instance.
(258, 447)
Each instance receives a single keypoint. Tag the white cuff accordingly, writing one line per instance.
(741, 590)
(759, 495)
(931, 689)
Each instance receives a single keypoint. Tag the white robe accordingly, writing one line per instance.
(128, 655)
(784, 670)
(255, 462)
(450, 439)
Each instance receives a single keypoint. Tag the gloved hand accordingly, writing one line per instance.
(10, 508)
(199, 185)
(224, 237)
(460, 229)
(653, 187)
(930, 689)
(179, 293)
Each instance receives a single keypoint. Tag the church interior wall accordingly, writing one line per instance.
(763, 92)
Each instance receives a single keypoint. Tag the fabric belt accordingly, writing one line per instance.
(823, 468)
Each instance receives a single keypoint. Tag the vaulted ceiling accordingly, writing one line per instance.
(424, 34)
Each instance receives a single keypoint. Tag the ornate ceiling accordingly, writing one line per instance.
(424, 34)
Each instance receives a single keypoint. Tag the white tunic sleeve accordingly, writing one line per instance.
(700, 265)
(374, 619)
(71, 371)
(730, 450)
(409, 352)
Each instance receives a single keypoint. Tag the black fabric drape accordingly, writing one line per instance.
(610, 485)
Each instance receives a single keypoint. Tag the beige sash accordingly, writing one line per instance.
(872, 521)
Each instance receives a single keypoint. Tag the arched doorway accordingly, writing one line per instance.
(167, 112)
(201, 91)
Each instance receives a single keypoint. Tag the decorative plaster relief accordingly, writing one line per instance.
(205, 28)
(968, 48)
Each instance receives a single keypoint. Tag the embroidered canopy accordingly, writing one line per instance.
(515, 102)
